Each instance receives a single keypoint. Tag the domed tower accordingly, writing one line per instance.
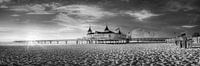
(89, 30)
(106, 29)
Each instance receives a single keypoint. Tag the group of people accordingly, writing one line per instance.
(183, 41)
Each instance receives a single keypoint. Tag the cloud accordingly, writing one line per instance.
(82, 13)
(189, 26)
(77, 11)
(38, 9)
(15, 15)
(2, 1)
(4, 30)
(66, 19)
(35, 9)
(76, 18)
(22, 8)
(141, 15)
(184, 5)
(74, 28)
(39, 12)
(125, 0)
(3, 6)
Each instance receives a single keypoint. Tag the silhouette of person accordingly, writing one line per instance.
(184, 40)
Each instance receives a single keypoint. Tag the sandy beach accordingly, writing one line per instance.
(99, 55)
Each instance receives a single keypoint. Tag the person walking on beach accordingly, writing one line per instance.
(184, 41)
(177, 41)
(180, 41)
(189, 43)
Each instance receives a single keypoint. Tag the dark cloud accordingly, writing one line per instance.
(154, 5)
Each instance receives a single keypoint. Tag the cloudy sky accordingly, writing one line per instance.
(69, 19)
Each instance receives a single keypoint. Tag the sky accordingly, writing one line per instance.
(70, 19)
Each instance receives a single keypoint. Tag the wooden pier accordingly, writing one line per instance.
(74, 41)
(82, 41)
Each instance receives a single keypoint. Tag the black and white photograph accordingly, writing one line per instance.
(99, 32)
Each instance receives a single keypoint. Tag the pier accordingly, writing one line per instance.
(74, 41)
(84, 41)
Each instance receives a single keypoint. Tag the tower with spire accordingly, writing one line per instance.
(90, 30)
(119, 32)
(106, 29)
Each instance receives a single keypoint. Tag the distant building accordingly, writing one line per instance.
(107, 34)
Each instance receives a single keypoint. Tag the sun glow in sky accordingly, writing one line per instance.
(32, 36)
